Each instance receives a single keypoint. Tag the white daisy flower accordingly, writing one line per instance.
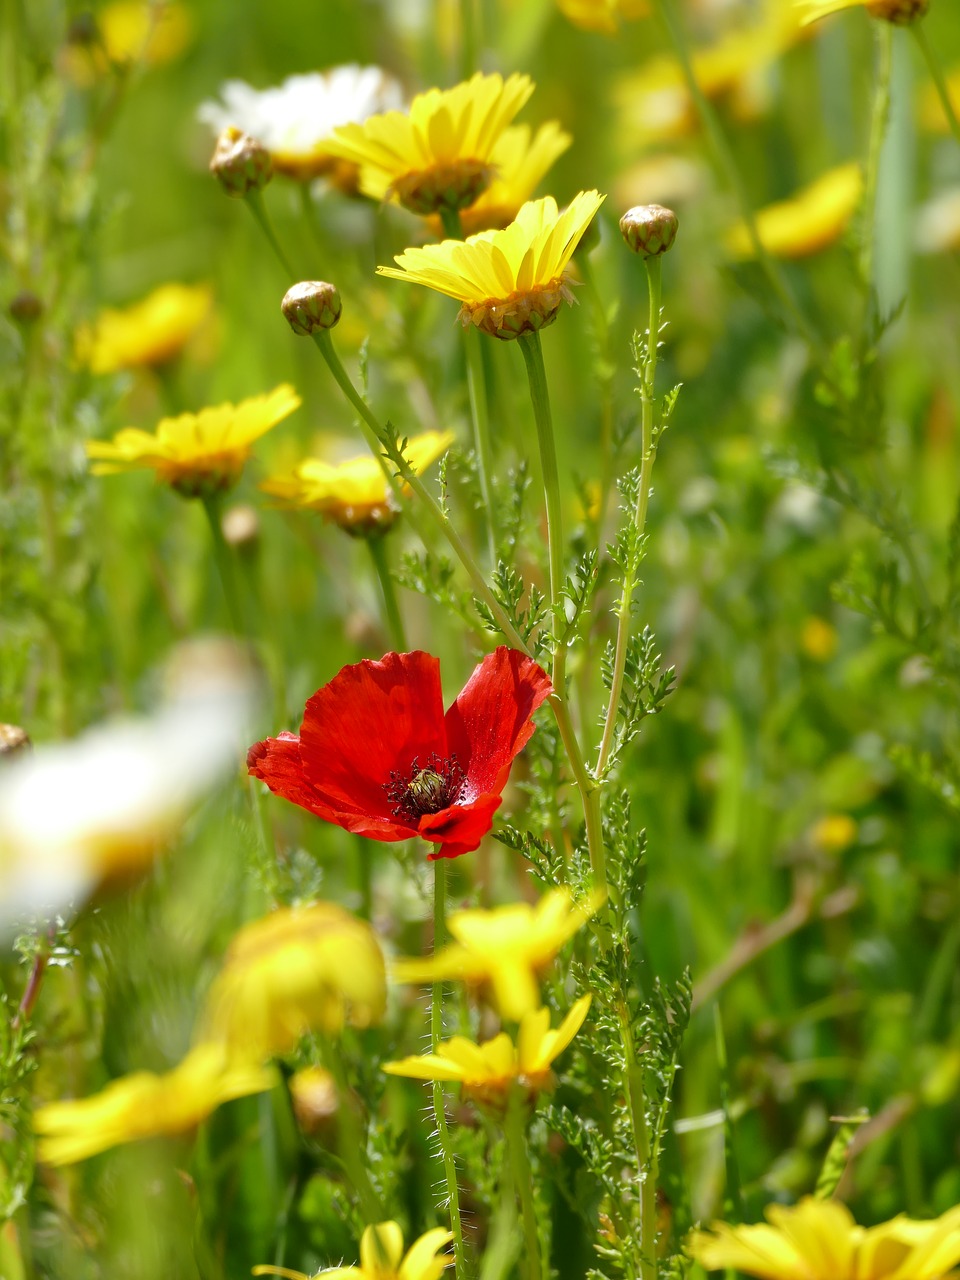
(295, 119)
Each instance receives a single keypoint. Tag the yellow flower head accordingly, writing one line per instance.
(505, 949)
(151, 332)
(489, 1071)
(439, 154)
(354, 493)
(196, 453)
(819, 1240)
(899, 11)
(812, 220)
(602, 15)
(521, 161)
(126, 31)
(144, 1105)
(507, 282)
(296, 970)
(382, 1257)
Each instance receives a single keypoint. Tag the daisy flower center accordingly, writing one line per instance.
(417, 791)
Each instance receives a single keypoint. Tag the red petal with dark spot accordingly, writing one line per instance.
(460, 828)
(490, 721)
(372, 719)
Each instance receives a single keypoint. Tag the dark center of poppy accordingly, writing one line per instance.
(425, 789)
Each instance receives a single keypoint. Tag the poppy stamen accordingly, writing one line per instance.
(417, 791)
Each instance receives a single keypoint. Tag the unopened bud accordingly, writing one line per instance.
(311, 305)
(241, 527)
(14, 742)
(901, 12)
(315, 1099)
(649, 229)
(26, 308)
(240, 163)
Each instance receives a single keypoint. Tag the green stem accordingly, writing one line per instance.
(536, 375)
(255, 203)
(352, 1141)
(648, 452)
(309, 216)
(436, 1035)
(225, 566)
(878, 125)
(725, 163)
(937, 76)
(479, 409)
(604, 375)
(378, 554)
(637, 1110)
(468, 25)
(516, 1136)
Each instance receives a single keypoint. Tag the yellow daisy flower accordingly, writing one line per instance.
(901, 12)
(151, 332)
(144, 1105)
(354, 493)
(505, 949)
(296, 970)
(382, 1257)
(507, 282)
(439, 154)
(489, 1071)
(819, 1240)
(196, 453)
(521, 161)
(603, 15)
(812, 220)
(145, 31)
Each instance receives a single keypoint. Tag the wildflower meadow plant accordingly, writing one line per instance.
(599, 790)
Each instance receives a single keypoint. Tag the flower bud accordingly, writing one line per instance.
(649, 229)
(901, 12)
(14, 742)
(311, 305)
(25, 308)
(241, 163)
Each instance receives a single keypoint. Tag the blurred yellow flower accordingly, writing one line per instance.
(196, 453)
(812, 220)
(354, 493)
(151, 32)
(313, 1092)
(834, 832)
(898, 11)
(439, 154)
(521, 161)
(505, 949)
(603, 15)
(382, 1257)
(508, 282)
(144, 1105)
(151, 332)
(819, 1240)
(818, 639)
(489, 1071)
(932, 115)
(296, 970)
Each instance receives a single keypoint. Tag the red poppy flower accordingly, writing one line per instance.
(377, 755)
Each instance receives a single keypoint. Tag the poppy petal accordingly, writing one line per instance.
(459, 828)
(372, 719)
(276, 761)
(490, 721)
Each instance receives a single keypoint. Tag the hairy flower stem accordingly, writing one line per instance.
(536, 375)
(648, 453)
(878, 125)
(225, 566)
(391, 606)
(436, 1035)
(646, 1170)
(937, 76)
(725, 163)
(516, 1136)
(255, 203)
(479, 409)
